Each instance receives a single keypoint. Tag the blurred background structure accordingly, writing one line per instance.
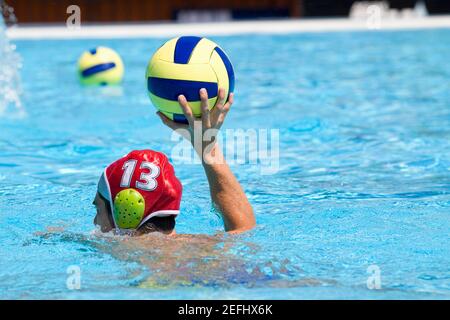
(106, 11)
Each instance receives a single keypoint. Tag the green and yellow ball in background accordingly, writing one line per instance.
(100, 66)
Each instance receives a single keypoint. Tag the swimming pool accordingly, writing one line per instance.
(363, 182)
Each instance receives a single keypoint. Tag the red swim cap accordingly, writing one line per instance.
(151, 179)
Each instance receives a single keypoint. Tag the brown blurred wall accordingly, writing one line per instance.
(54, 11)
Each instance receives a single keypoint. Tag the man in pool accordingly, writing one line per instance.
(140, 194)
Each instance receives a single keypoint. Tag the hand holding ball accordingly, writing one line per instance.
(184, 65)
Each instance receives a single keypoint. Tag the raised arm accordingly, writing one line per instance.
(226, 192)
(228, 196)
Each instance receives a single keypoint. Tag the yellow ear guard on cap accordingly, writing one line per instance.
(129, 208)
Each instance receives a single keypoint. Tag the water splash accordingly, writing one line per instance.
(10, 62)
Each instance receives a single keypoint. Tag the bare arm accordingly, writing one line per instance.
(226, 192)
(228, 196)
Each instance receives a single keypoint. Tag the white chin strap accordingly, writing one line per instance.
(103, 188)
(105, 192)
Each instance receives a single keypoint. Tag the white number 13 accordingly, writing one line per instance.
(150, 183)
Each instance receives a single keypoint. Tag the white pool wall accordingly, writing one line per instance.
(223, 28)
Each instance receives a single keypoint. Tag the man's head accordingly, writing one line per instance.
(138, 192)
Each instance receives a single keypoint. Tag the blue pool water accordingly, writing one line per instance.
(364, 173)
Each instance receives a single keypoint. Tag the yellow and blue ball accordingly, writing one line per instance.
(100, 66)
(184, 65)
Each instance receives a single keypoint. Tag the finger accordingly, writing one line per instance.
(230, 101)
(175, 126)
(225, 109)
(186, 109)
(220, 99)
(170, 123)
(217, 110)
(206, 119)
